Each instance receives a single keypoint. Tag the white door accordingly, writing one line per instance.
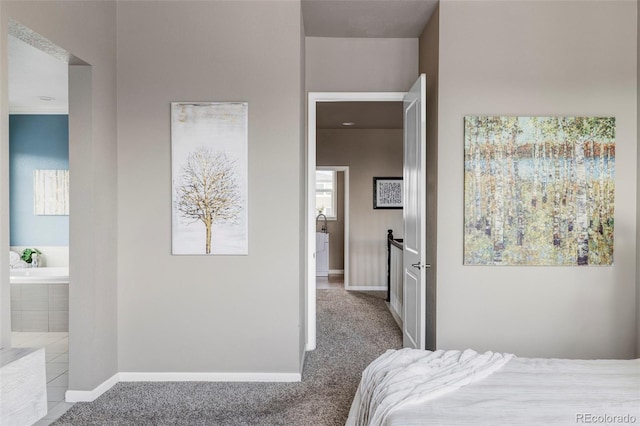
(414, 211)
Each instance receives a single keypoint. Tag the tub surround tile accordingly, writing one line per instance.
(58, 321)
(35, 321)
(35, 297)
(16, 320)
(58, 297)
(16, 297)
(52, 256)
(50, 298)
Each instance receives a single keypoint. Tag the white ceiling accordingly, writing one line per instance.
(365, 115)
(33, 73)
(366, 18)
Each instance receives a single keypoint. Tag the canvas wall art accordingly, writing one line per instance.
(539, 190)
(51, 192)
(209, 156)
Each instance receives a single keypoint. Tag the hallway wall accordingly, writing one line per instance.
(368, 153)
(216, 312)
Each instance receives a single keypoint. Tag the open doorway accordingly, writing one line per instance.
(38, 92)
(332, 226)
(328, 119)
(46, 85)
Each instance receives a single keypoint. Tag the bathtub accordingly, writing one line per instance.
(44, 275)
(40, 299)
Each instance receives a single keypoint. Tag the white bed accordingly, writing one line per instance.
(527, 391)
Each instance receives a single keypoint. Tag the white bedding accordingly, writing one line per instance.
(407, 376)
(528, 391)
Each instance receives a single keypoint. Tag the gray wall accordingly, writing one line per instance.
(368, 153)
(216, 313)
(429, 63)
(361, 64)
(86, 30)
(580, 62)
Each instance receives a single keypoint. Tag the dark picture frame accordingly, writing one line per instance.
(387, 193)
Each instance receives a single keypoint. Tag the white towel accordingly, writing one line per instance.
(15, 260)
(400, 377)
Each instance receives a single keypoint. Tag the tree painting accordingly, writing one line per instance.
(209, 166)
(208, 190)
(539, 190)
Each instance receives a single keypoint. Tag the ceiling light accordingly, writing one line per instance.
(349, 123)
(46, 98)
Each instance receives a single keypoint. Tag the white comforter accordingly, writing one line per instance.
(405, 377)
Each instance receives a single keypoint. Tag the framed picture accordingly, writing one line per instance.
(387, 192)
(51, 192)
(539, 190)
(209, 156)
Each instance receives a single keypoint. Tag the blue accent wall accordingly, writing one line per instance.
(36, 142)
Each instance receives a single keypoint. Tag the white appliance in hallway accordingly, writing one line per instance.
(322, 254)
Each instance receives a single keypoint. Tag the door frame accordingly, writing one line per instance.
(313, 99)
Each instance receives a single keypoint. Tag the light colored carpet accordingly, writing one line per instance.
(353, 329)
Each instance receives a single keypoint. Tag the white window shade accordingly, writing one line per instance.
(326, 193)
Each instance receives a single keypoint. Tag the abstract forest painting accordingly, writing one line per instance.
(209, 185)
(539, 190)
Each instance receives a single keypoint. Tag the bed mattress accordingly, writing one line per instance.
(531, 391)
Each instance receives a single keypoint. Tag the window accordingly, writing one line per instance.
(326, 193)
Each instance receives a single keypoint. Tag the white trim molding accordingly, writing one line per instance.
(336, 271)
(365, 288)
(92, 395)
(313, 99)
(209, 377)
(39, 110)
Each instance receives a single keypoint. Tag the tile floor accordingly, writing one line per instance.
(330, 282)
(56, 347)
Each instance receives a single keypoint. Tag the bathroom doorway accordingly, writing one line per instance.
(38, 162)
(332, 227)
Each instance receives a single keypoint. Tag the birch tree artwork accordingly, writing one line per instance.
(539, 190)
(209, 168)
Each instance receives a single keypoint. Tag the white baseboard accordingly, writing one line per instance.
(92, 395)
(365, 288)
(209, 377)
(336, 271)
(88, 396)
